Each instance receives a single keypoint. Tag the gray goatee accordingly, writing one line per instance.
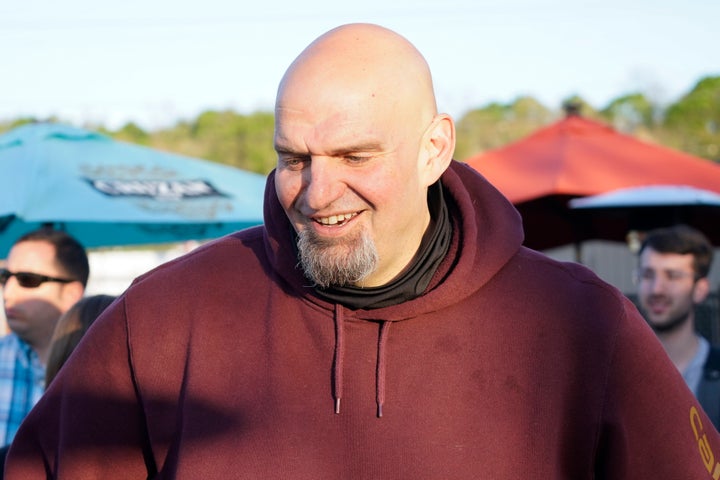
(336, 262)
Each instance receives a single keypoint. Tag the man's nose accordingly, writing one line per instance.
(8, 290)
(323, 182)
(658, 284)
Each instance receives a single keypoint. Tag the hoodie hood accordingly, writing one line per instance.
(487, 232)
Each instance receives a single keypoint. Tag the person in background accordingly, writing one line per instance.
(70, 329)
(385, 321)
(47, 271)
(4, 329)
(674, 264)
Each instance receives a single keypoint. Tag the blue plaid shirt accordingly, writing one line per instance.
(22, 383)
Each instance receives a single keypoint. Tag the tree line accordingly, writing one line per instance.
(690, 124)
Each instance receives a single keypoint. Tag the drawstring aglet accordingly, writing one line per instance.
(337, 405)
(379, 410)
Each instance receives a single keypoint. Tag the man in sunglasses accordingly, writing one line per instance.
(674, 264)
(46, 273)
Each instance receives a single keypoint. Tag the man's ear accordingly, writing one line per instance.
(438, 147)
(72, 293)
(701, 290)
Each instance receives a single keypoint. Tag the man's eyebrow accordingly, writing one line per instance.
(371, 146)
(280, 147)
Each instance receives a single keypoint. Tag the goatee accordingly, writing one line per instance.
(336, 262)
(671, 325)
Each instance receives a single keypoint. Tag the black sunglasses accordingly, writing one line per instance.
(29, 280)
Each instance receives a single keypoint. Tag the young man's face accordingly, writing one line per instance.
(667, 288)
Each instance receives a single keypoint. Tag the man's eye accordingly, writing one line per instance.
(356, 158)
(294, 162)
(647, 274)
(676, 275)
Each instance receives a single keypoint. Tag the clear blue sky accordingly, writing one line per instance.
(157, 61)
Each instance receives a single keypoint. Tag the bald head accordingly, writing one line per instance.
(362, 63)
(359, 143)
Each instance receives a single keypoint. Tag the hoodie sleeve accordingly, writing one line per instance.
(89, 423)
(652, 425)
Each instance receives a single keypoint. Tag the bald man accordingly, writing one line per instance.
(384, 323)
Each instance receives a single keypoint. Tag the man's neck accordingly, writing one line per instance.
(42, 351)
(681, 344)
(43, 354)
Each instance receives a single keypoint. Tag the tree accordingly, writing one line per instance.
(243, 141)
(630, 113)
(692, 124)
(495, 125)
(238, 140)
(576, 105)
(132, 133)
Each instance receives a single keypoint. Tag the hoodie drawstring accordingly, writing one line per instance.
(380, 374)
(339, 358)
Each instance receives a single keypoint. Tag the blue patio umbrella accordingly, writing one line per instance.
(110, 193)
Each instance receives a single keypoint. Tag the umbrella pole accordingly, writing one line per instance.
(577, 247)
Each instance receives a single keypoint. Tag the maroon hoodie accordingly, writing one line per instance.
(226, 364)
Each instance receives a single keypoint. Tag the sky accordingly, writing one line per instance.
(157, 62)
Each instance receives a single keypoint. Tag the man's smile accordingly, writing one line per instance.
(335, 219)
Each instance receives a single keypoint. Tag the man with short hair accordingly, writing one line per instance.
(674, 264)
(46, 273)
(385, 322)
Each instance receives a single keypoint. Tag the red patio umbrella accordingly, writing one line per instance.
(577, 157)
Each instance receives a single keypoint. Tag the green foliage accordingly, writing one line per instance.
(692, 123)
(630, 112)
(576, 105)
(227, 137)
(495, 125)
(132, 133)
(242, 141)
(9, 125)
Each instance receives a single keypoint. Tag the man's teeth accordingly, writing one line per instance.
(335, 219)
